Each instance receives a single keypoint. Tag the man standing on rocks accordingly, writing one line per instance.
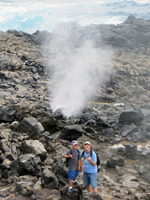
(89, 168)
(74, 163)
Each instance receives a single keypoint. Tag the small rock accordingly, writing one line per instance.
(33, 197)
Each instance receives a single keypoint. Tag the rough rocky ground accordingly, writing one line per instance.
(33, 138)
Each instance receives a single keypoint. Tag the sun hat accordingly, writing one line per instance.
(74, 142)
(87, 142)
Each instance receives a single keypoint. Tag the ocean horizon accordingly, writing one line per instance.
(46, 15)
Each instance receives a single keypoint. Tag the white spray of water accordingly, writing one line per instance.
(78, 69)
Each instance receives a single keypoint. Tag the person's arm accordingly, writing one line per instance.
(79, 160)
(79, 165)
(92, 159)
(68, 155)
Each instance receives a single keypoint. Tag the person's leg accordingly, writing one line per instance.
(88, 187)
(70, 172)
(74, 181)
(93, 181)
(94, 190)
(70, 183)
(86, 181)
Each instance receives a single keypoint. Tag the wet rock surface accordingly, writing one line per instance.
(117, 122)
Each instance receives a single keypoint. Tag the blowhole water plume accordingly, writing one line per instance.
(79, 64)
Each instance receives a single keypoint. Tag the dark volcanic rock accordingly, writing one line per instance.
(35, 147)
(75, 194)
(115, 161)
(131, 116)
(29, 163)
(138, 137)
(48, 179)
(32, 126)
(7, 114)
(131, 151)
(127, 129)
(59, 167)
(144, 172)
(26, 164)
(71, 132)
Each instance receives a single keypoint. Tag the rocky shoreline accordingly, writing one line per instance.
(33, 138)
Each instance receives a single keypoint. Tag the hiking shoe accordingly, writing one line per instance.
(70, 189)
(76, 183)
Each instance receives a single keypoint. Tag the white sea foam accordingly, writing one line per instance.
(47, 14)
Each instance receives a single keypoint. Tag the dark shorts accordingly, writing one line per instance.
(90, 179)
(72, 174)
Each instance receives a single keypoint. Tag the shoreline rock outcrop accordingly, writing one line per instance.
(33, 138)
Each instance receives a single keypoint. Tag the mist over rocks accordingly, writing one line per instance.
(114, 116)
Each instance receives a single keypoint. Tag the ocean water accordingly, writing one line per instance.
(32, 15)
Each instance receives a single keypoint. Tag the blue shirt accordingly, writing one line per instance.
(88, 167)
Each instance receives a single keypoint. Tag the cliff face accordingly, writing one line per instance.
(33, 138)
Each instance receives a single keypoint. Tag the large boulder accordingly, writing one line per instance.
(127, 129)
(102, 121)
(115, 161)
(131, 116)
(29, 163)
(32, 126)
(26, 164)
(7, 114)
(131, 151)
(58, 149)
(59, 167)
(48, 179)
(47, 140)
(144, 172)
(71, 132)
(35, 147)
(138, 137)
(88, 116)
